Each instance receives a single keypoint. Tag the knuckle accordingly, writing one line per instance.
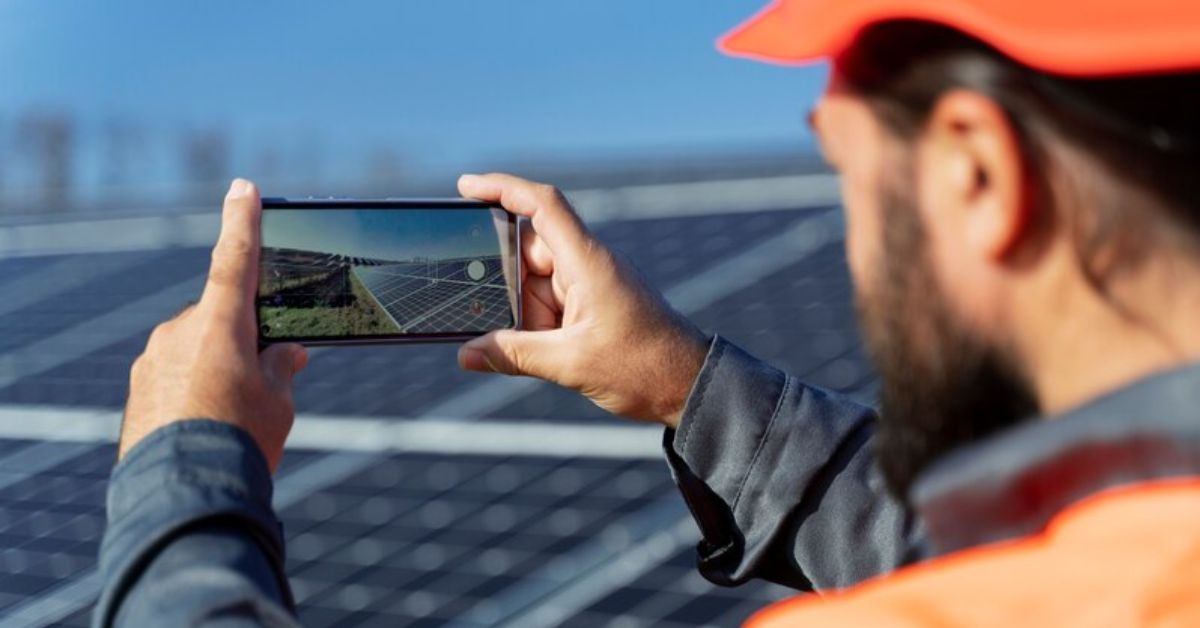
(160, 331)
(600, 258)
(213, 332)
(139, 365)
(222, 273)
(182, 314)
(234, 248)
(548, 193)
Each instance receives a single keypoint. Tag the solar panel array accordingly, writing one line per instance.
(440, 296)
(418, 539)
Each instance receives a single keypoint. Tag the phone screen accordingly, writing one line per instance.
(386, 271)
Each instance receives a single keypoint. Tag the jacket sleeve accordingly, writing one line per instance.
(781, 480)
(192, 539)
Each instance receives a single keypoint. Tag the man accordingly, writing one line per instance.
(1023, 230)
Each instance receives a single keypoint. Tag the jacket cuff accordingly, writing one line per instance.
(724, 425)
(182, 474)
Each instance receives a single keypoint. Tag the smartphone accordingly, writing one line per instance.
(343, 271)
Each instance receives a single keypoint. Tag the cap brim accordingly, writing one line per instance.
(793, 33)
(1116, 37)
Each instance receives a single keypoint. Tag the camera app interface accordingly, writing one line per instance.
(329, 273)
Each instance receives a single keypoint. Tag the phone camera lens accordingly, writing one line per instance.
(265, 329)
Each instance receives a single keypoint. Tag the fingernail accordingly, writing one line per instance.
(472, 359)
(239, 188)
(299, 359)
(468, 178)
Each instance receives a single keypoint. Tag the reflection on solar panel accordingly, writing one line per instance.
(441, 296)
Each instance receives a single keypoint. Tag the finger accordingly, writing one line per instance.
(552, 217)
(541, 310)
(282, 362)
(233, 275)
(538, 258)
(511, 352)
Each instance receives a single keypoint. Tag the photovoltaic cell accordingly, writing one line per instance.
(440, 296)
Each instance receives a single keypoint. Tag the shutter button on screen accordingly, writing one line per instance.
(476, 270)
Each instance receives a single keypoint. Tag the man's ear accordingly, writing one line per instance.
(971, 142)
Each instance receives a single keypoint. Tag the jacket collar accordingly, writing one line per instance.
(1012, 484)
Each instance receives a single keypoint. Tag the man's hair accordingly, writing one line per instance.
(1139, 136)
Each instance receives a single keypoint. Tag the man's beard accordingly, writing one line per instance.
(943, 385)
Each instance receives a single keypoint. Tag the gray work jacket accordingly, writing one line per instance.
(778, 475)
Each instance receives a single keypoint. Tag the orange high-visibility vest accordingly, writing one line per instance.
(1128, 556)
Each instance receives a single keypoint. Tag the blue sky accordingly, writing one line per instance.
(381, 234)
(446, 85)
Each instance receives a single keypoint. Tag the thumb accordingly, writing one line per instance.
(511, 352)
(281, 362)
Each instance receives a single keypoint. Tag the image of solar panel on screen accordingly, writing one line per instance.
(438, 296)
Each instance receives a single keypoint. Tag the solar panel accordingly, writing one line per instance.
(433, 537)
(674, 595)
(440, 296)
(666, 250)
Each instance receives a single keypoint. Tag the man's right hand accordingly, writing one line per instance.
(205, 362)
(591, 323)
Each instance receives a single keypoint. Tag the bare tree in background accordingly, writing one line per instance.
(307, 161)
(291, 163)
(268, 166)
(205, 162)
(49, 141)
(124, 150)
(384, 171)
(4, 163)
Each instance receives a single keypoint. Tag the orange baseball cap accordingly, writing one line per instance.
(1068, 37)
